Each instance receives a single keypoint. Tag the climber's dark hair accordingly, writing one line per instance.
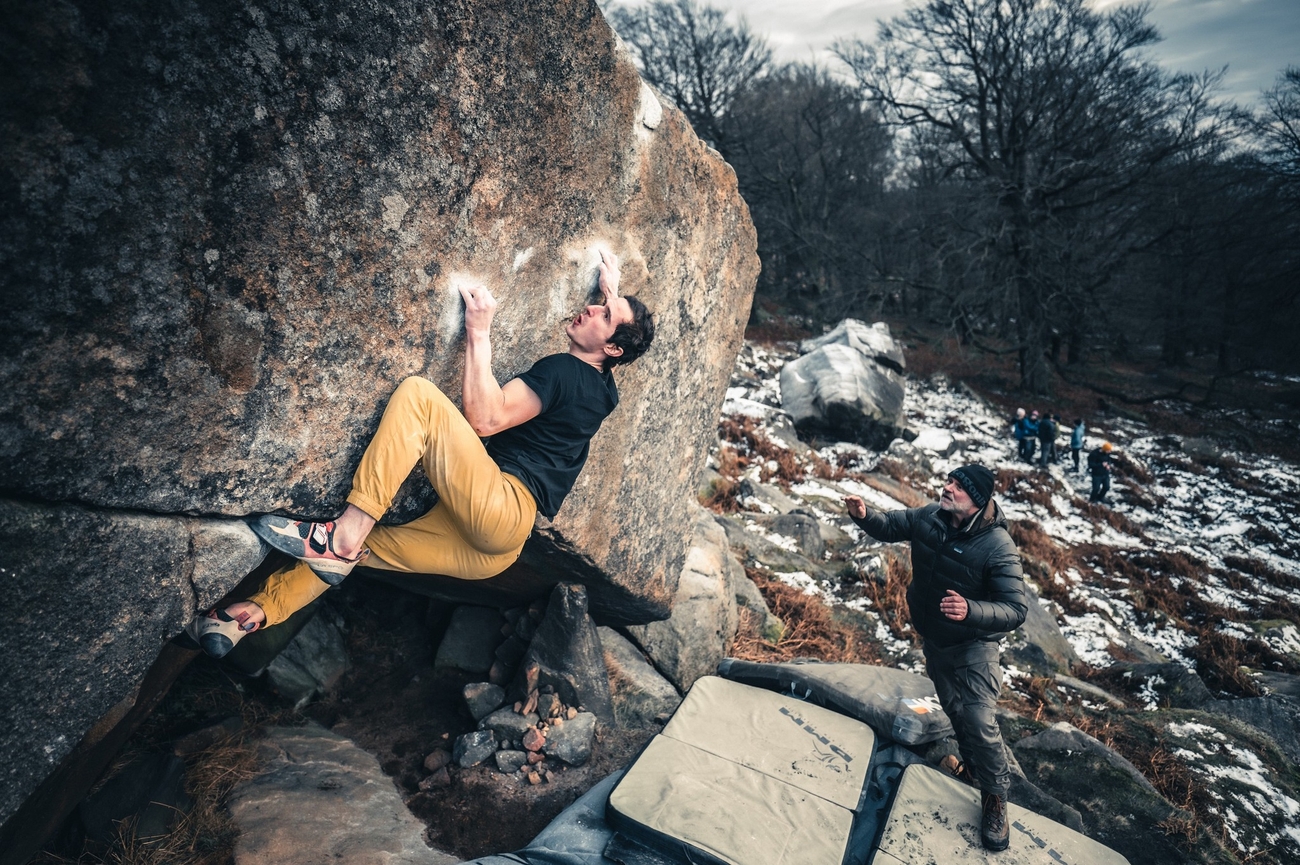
(634, 337)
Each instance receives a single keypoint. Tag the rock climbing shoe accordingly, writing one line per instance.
(313, 543)
(954, 766)
(994, 832)
(216, 632)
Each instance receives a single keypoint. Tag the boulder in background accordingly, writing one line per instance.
(849, 385)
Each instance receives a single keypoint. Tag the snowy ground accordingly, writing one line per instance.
(1217, 530)
(1228, 513)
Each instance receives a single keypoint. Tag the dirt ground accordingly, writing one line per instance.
(392, 705)
(389, 703)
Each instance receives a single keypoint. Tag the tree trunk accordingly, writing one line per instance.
(1035, 374)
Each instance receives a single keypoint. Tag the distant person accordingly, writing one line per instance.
(1056, 452)
(1027, 435)
(1046, 440)
(1076, 442)
(1099, 463)
(540, 424)
(967, 592)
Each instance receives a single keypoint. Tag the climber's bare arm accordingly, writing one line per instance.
(489, 407)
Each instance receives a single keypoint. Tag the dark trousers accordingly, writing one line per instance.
(1074, 452)
(1100, 486)
(968, 679)
(1048, 454)
(1027, 449)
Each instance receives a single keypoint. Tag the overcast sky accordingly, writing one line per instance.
(1255, 39)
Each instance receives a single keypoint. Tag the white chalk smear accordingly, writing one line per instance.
(522, 258)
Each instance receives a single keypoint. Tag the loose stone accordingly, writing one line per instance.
(534, 740)
(436, 760)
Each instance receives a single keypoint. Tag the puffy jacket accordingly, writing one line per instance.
(979, 562)
(1026, 428)
(1047, 429)
(1076, 438)
(1099, 462)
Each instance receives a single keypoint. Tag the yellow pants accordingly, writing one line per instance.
(476, 530)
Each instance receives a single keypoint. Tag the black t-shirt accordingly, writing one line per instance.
(548, 452)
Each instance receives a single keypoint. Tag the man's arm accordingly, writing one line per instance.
(1008, 604)
(489, 407)
(890, 527)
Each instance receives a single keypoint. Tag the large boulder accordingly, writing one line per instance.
(229, 232)
(849, 385)
(702, 627)
(1275, 715)
(1038, 644)
(91, 596)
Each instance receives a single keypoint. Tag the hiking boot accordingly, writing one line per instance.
(216, 632)
(313, 543)
(994, 831)
(956, 768)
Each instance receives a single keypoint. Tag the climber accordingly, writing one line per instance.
(967, 592)
(539, 424)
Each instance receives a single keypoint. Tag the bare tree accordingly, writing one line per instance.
(811, 160)
(1278, 125)
(695, 56)
(1052, 110)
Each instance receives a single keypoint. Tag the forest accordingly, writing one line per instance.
(1021, 173)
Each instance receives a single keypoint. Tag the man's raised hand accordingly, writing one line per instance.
(608, 275)
(857, 507)
(480, 306)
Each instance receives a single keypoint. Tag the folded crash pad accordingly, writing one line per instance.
(936, 818)
(900, 706)
(747, 776)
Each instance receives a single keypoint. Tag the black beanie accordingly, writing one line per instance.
(976, 480)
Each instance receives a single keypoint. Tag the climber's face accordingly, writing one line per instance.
(593, 328)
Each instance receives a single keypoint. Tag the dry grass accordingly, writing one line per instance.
(1048, 563)
(204, 836)
(1165, 590)
(1033, 487)
(899, 491)
(890, 600)
(809, 630)
(1113, 518)
(1260, 571)
(1130, 468)
(723, 496)
(776, 330)
(752, 445)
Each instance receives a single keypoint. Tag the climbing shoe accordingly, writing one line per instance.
(994, 832)
(955, 767)
(313, 543)
(216, 632)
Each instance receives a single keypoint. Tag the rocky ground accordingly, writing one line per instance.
(1166, 617)
(1151, 697)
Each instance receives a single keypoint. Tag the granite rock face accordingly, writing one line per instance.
(230, 231)
(702, 628)
(91, 596)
